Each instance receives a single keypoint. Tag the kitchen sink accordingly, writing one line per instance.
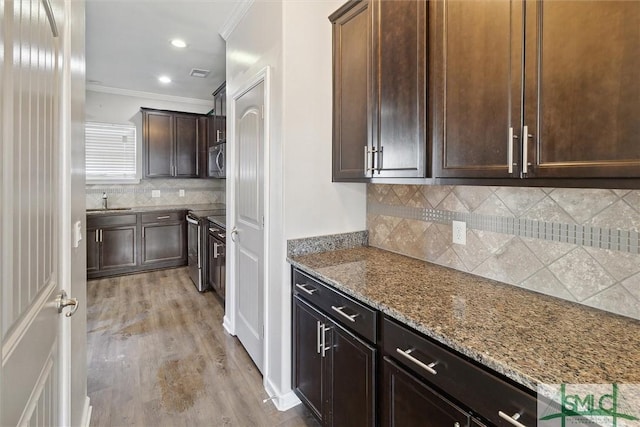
(108, 210)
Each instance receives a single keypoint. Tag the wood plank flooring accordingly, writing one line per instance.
(158, 356)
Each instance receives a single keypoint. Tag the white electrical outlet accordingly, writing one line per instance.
(181, 193)
(155, 193)
(459, 232)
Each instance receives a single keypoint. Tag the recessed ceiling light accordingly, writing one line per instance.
(164, 79)
(178, 43)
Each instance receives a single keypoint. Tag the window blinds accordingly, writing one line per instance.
(110, 152)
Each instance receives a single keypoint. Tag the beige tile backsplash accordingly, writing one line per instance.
(601, 278)
(196, 191)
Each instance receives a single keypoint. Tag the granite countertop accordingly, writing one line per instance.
(142, 209)
(528, 337)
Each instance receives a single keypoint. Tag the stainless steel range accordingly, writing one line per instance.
(197, 244)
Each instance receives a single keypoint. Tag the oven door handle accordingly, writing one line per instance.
(192, 221)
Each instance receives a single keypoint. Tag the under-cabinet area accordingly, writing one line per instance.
(480, 92)
(427, 344)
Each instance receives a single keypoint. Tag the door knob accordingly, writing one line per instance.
(62, 301)
(234, 233)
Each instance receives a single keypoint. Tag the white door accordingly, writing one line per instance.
(30, 381)
(249, 220)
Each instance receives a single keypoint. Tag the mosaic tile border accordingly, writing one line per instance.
(584, 235)
(133, 190)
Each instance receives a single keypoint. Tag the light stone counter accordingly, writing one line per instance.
(528, 337)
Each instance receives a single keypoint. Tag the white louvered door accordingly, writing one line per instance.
(30, 212)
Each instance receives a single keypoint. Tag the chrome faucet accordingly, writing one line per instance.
(104, 200)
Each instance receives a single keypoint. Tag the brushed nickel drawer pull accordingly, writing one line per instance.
(324, 340)
(349, 317)
(511, 419)
(164, 217)
(407, 355)
(304, 288)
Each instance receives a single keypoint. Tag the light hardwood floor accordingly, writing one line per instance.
(158, 356)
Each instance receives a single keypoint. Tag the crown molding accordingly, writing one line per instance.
(147, 95)
(234, 18)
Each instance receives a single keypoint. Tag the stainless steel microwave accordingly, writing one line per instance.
(217, 161)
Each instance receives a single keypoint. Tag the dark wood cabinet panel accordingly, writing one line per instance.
(353, 369)
(118, 247)
(163, 242)
(186, 146)
(93, 249)
(476, 65)
(216, 263)
(171, 144)
(400, 89)
(582, 98)
(158, 144)
(351, 87)
(408, 402)
(308, 371)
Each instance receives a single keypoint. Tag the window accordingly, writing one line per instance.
(110, 152)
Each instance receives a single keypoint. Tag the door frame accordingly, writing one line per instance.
(229, 321)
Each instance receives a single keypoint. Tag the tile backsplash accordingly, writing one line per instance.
(196, 191)
(577, 244)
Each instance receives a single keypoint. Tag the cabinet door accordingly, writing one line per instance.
(158, 137)
(186, 146)
(308, 366)
(352, 384)
(163, 242)
(582, 99)
(407, 402)
(93, 250)
(118, 247)
(400, 88)
(476, 61)
(351, 87)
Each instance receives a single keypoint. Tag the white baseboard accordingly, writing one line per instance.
(226, 324)
(86, 412)
(282, 402)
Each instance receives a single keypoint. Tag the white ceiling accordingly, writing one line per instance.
(128, 45)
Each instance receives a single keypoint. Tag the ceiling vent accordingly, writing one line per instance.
(195, 72)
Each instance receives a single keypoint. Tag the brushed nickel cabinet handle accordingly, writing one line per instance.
(339, 310)
(318, 340)
(164, 217)
(510, 150)
(324, 340)
(511, 419)
(407, 355)
(303, 287)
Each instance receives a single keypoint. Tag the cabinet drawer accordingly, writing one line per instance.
(481, 390)
(343, 309)
(152, 217)
(110, 220)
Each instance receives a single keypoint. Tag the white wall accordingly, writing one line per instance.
(294, 39)
(122, 107)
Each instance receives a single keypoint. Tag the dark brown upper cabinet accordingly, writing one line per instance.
(171, 142)
(219, 134)
(379, 90)
(399, 143)
(559, 99)
(351, 90)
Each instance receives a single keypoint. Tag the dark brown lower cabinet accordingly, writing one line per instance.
(216, 264)
(118, 247)
(128, 243)
(334, 371)
(163, 242)
(408, 402)
(93, 250)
